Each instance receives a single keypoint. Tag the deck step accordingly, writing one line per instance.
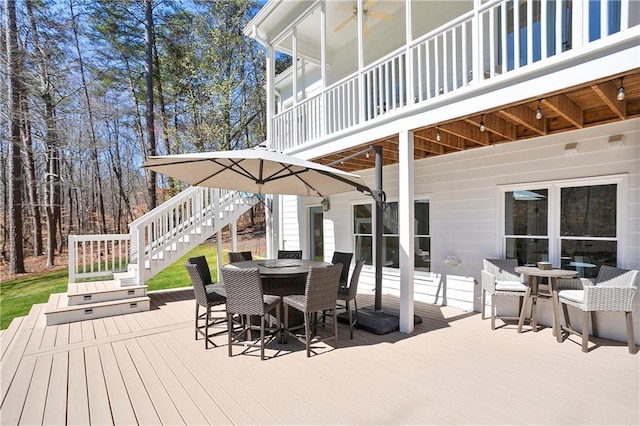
(58, 310)
(126, 279)
(102, 291)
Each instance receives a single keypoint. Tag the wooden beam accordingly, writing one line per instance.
(497, 125)
(526, 117)
(608, 93)
(566, 108)
(470, 132)
(423, 144)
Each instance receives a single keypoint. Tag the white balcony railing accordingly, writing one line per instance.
(493, 40)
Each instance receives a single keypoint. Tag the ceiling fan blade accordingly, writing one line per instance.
(342, 24)
(365, 29)
(380, 15)
(368, 4)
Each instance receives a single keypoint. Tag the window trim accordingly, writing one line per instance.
(553, 220)
(373, 220)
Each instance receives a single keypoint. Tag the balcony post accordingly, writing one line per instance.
(476, 30)
(323, 66)
(270, 71)
(409, 54)
(361, 89)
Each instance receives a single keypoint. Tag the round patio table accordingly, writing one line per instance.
(281, 277)
(532, 291)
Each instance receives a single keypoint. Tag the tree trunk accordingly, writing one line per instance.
(94, 145)
(173, 183)
(16, 253)
(32, 191)
(151, 134)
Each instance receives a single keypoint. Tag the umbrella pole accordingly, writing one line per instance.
(378, 196)
(375, 320)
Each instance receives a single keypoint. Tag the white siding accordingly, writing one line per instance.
(463, 192)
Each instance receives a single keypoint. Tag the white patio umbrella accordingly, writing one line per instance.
(257, 171)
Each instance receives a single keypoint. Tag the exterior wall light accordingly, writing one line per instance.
(621, 94)
(326, 205)
(539, 111)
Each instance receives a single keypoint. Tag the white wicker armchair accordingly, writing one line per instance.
(499, 278)
(613, 290)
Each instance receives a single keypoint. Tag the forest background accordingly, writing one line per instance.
(94, 87)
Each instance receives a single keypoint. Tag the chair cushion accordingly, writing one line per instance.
(510, 286)
(576, 296)
(270, 299)
(216, 288)
(343, 293)
(296, 301)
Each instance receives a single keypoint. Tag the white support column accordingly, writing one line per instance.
(272, 217)
(219, 255)
(234, 236)
(271, 108)
(406, 229)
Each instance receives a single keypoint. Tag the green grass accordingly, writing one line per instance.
(176, 275)
(17, 296)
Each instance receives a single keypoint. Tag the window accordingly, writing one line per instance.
(574, 225)
(588, 228)
(363, 232)
(363, 235)
(526, 229)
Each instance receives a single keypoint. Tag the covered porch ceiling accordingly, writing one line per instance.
(587, 105)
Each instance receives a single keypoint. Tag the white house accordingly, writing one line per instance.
(507, 129)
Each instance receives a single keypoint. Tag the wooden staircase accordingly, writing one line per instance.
(107, 273)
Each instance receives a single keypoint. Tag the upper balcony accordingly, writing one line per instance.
(355, 71)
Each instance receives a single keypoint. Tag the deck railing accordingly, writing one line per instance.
(96, 256)
(491, 41)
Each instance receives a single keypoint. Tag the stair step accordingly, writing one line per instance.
(58, 310)
(102, 291)
(125, 279)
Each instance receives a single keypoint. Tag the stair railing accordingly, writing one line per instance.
(157, 237)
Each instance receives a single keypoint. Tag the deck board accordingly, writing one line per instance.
(160, 398)
(99, 408)
(121, 407)
(55, 410)
(147, 368)
(172, 384)
(8, 335)
(33, 412)
(78, 397)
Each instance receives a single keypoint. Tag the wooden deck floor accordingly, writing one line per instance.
(146, 368)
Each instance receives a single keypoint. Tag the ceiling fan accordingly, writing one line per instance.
(366, 12)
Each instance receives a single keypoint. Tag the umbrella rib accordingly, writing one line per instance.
(242, 172)
(357, 186)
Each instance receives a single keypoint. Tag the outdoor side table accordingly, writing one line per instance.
(533, 273)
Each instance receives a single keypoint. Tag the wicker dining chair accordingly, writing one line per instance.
(245, 298)
(239, 256)
(208, 298)
(348, 294)
(345, 260)
(320, 294)
(205, 274)
(499, 278)
(613, 290)
(289, 254)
